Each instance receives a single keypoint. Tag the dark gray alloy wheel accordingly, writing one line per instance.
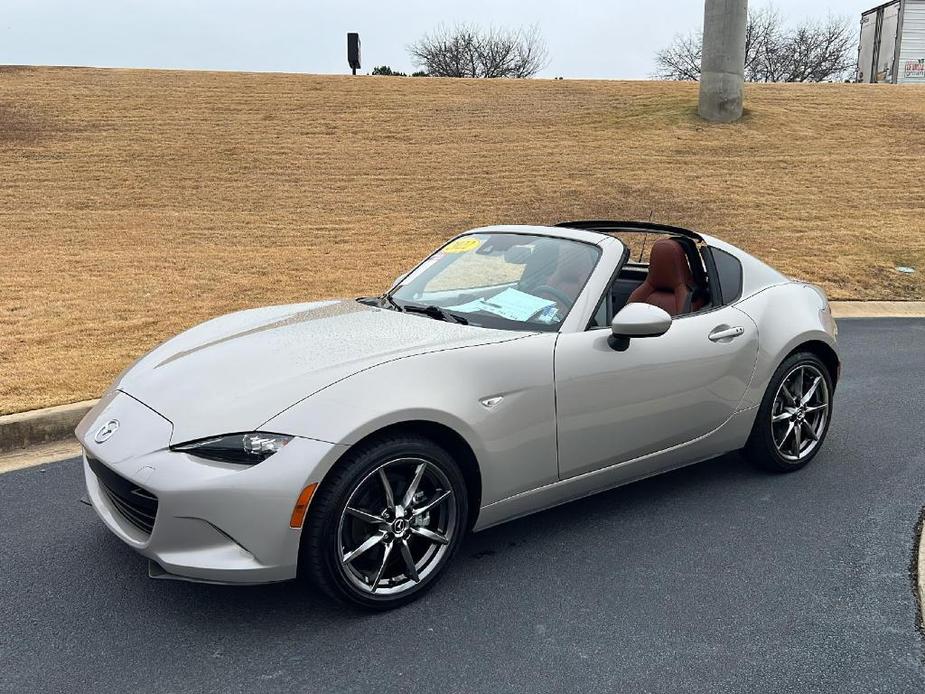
(800, 412)
(386, 522)
(794, 416)
(387, 544)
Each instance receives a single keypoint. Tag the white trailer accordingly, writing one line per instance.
(892, 44)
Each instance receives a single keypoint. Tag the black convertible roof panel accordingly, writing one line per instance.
(603, 226)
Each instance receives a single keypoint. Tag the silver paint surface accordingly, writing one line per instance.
(234, 373)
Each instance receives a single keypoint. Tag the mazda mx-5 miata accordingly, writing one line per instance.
(518, 367)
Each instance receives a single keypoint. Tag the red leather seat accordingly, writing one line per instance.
(669, 284)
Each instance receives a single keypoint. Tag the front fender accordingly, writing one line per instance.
(514, 440)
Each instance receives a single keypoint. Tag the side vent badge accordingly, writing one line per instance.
(491, 403)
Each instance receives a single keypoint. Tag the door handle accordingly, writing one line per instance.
(726, 333)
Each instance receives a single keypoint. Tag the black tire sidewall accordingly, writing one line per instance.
(761, 447)
(321, 554)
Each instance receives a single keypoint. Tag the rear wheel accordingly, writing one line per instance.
(385, 522)
(794, 415)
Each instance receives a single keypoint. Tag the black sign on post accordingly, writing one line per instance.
(353, 51)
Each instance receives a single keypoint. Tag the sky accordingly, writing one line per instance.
(613, 39)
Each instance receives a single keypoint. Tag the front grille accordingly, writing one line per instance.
(138, 506)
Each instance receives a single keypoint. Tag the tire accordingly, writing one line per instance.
(339, 552)
(775, 446)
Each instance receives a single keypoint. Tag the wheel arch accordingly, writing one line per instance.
(822, 350)
(447, 437)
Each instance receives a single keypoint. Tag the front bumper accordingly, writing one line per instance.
(214, 522)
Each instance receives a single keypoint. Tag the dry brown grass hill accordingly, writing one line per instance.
(136, 203)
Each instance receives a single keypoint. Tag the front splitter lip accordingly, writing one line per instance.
(159, 573)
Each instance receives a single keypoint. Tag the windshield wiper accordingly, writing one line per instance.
(436, 312)
(387, 297)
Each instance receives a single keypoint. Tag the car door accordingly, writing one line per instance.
(612, 407)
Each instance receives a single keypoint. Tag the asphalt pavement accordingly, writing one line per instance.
(715, 578)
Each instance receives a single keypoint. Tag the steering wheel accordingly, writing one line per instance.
(553, 293)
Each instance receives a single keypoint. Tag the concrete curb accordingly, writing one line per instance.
(878, 309)
(26, 429)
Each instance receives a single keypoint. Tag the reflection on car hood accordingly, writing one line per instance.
(234, 373)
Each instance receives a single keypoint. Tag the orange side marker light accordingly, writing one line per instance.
(301, 506)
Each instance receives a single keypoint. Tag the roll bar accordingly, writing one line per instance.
(604, 226)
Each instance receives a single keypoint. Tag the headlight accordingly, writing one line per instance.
(242, 449)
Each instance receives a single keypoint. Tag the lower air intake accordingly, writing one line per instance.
(136, 505)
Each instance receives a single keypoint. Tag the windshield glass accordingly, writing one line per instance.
(513, 281)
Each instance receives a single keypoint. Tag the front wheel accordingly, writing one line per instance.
(385, 522)
(794, 415)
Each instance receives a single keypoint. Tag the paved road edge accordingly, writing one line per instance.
(37, 456)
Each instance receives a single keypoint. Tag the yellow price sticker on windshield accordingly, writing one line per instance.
(463, 245)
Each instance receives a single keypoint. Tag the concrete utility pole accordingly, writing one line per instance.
(722, 66)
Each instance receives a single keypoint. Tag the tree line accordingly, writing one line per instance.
(810, 51)
(775, 51)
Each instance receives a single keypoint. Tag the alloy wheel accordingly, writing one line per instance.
(800, 412)
(396, 526)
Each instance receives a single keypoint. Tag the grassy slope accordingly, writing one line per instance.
(136, 203)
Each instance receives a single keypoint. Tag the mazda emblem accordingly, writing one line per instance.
(105, 432)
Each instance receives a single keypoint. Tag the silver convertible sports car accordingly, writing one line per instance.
(517, 368)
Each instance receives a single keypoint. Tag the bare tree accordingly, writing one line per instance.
(820, 51)
(681, 60)
(764, 34)
(815, 51)
(470, 51)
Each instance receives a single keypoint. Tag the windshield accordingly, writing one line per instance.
(513, 281)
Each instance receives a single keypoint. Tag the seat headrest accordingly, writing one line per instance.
(668, 266)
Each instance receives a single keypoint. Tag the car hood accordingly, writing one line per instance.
(236, 372)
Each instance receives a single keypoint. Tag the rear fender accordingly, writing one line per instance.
(787, 316)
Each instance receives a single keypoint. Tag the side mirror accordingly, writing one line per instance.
(637, 320)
